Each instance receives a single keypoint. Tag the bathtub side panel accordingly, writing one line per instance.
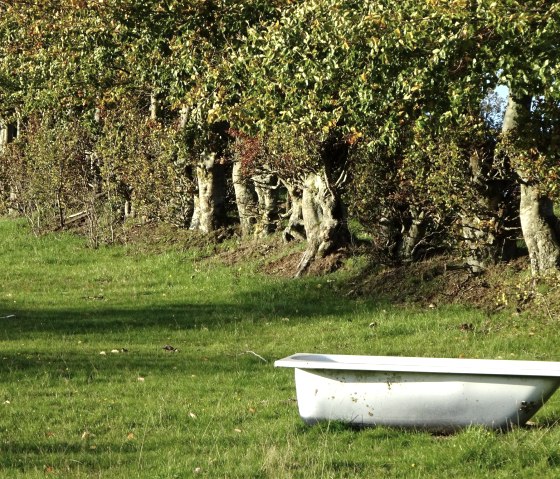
(423, 400)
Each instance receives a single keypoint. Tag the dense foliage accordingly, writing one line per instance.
(376, 110)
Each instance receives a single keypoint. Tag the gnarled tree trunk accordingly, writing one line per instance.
(8, 133)
(540, 226)
(490, 220)
(295, 229)
(245, 200)
(324, 219)
(209, 206)
(488, 230)
(209, 214)
(256, 201)
(401, 232)
(412, 233)
(540, 230)
(3, 136)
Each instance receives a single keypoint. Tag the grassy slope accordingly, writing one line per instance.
(215, 408)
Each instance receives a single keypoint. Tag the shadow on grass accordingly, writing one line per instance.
(297, 301)
(110, 319)
(89, 367)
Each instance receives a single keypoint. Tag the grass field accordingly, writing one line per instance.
(70, 407)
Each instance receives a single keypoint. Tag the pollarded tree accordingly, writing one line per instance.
(256, 186)
(389, 77)
(513, 43)
(437, 64)
(203, 88)
(297, 79)
(89, 57)
(528, 55)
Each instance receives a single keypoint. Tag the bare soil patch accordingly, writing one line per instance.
(287, 266)
(251, 250)
(446, 280)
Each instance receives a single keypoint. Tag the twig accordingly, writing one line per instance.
(548, 309)
(255, 354)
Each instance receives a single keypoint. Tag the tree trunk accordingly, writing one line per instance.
(8, 132)
(540, 230)
(210, 211)
(540, 227)
(195, 219)
(413, 232)
(3, 136)
(401, 231)
(265, 187)
(154, 107)
(128, 211)
(245, 200)
(256, 202)
(489, 229)
(480, 243)
(324, 219)
(211, 194)
(295, 229)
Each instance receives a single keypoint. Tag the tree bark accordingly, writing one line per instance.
(541, 230)
(245, 200)
(489, 228)
(209, 209)
(265, 188)
(154, 107)
(400, 232)
(413, 231)
(8, 132)
(211, 195)
(540, 226)
(324, 219)
(195, 219)
(3, 136)
(295, 229)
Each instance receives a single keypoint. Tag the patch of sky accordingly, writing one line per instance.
(494, 105)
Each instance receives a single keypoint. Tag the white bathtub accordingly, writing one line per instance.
(426, 393)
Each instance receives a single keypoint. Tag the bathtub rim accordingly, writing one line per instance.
(345, 362)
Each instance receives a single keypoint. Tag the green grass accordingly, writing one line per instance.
(218, 408)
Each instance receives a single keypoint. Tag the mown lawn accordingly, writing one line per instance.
(70, 407)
